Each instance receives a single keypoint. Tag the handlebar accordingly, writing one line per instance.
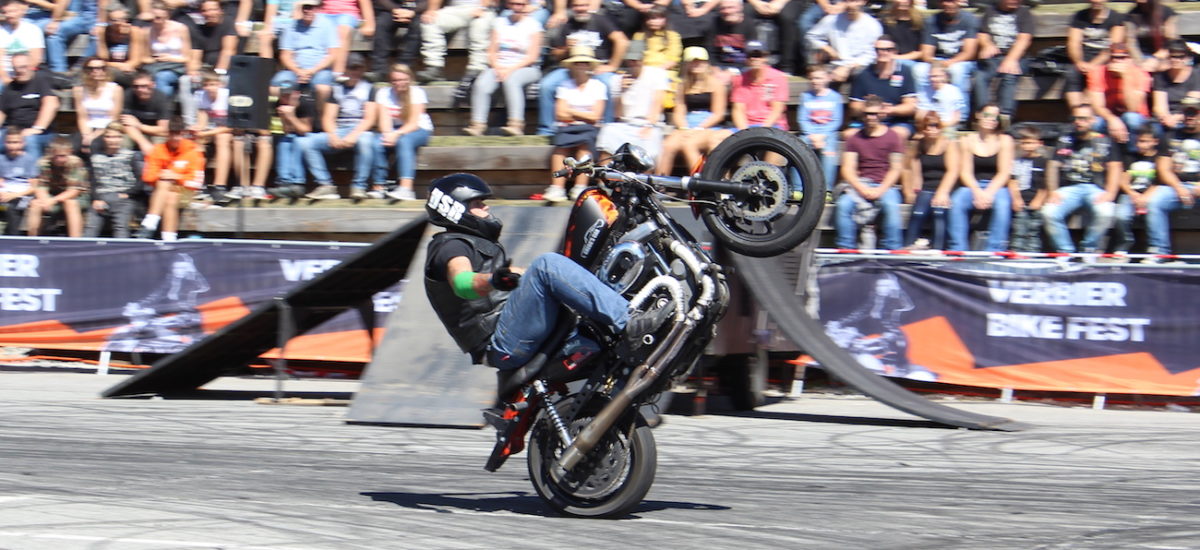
(686, 183)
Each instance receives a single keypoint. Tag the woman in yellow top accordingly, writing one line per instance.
(664, 47)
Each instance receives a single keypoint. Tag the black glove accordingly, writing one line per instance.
(505, 278)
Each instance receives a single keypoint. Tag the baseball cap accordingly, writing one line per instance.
(692, 53)
(755, 46)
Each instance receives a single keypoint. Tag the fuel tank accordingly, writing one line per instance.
(589, 226)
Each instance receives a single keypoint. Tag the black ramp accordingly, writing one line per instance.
(761, 276)
(348, 285)
(418, 376)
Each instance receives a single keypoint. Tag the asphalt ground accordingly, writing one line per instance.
(818, 471)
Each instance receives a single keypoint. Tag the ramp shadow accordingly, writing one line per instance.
(837, 419)
(250, 395)
(519, 502)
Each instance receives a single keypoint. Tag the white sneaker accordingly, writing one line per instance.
(402, 194)
(324, 192)
(257, 193)
(575, 192)
(376, 194)
(554, 194)
(235, 193)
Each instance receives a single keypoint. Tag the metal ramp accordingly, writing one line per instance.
(348, 285)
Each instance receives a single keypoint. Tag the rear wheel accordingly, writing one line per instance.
(610, 481)
(779, 219)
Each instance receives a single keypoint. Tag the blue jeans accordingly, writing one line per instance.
(962, 204)
(1006, 84)
(289, 159)
(406, 155)
(316, 145)
(285, 77)
(531, 312)
(922, 210)
(1133, 121)
(829, 158)
(546, 99)
(889, 208)
(1097, 217)
(1163, 201)
(57, 43)
(1027, 231)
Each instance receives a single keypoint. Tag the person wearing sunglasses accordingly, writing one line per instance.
(760, 93)
(1172, 86)
(1119, 92)
(872, 164)
(892, 83)
(1083, 175)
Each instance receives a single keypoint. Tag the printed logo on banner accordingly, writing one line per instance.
(24, 266)
(1127, 331)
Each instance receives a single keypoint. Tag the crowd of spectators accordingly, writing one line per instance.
(904, 105)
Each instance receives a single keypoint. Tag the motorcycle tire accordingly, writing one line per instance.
(610, 482)
(770, 227)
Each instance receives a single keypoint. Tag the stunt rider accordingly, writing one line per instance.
(499, 313)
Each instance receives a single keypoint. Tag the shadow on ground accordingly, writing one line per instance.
(518, 502)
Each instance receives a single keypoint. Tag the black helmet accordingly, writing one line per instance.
(449, 197)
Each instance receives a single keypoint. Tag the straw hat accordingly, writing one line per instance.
(581, 54)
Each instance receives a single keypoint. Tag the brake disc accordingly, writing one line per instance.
(604, 469)
(772, 180)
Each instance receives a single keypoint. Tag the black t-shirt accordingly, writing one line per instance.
(435, 268)
(1004, 27)
(1083, 158)
(1176, 91)
(907, 38)
(729, 42)
(208, 39)
(1095, 35)
(946, 36)
(1030, 173)
(593, 34)
(21, 101)
(1142, 170)
(1140, 17)
(891, 90)
(148, 112)
(1183, 148)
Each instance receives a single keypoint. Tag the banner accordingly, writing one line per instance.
(1126, 330)
(154, 297)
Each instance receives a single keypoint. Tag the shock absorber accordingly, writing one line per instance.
(539, 385)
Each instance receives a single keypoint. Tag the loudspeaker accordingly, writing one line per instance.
(249, 78)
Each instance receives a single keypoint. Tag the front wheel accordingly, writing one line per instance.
(785, 215)
(610, 482)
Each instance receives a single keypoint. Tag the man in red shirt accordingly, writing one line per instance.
(760, 93)
(1119, 93)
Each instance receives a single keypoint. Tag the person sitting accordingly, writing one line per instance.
(145, 110)
(579, 111)
(698, 113)
(294, 113)
(942, 97)
(1151, 26)
(985, 168)
(872, 164)
(348, 15)
(168, 57)
(444, 17)
(212, 130)
(846, 40)
(1004, 36)
(639, 107)
(28, 102)
(306, 51)
(583, 29)
(1028, 189)
(99, 102)
(1138, 183)
(18, 36)
(216, 40)
(820, 120)
(1119, 92)
(892, 83)
(119, 46)
(17, 170)
(176, 170)
(731, 31)
(784, 14)
(116, 182)
(405, 127)
(661, 46)
(1090, 34)
(398, 32)
(1178, 171)
(64, 27)
(932, 161)
(1082, 175)
(950, 36)
(905, 24)
(60, 184)
(1171, 87)
(513, 56)
(760, 93)
(347, 119)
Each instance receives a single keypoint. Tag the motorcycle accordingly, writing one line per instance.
(585, 397)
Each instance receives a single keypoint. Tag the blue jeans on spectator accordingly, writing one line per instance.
(829, 158)
(922, 210)
(316, 145)
(1133, 121)
(285, 77)
(1163, 201)
(889, 208)
(962, 203)
(809, 19)
(988, 70)
(531, 312)
(58, 43)
(1027, 231)
(406, 155)
(546, 99)
(1097, 217)
(289, 160)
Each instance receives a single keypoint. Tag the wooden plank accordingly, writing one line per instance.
(527, 157)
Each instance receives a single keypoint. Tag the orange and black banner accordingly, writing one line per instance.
(152, 297)
(1126, 330)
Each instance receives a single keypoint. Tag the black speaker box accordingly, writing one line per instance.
(249, 78)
